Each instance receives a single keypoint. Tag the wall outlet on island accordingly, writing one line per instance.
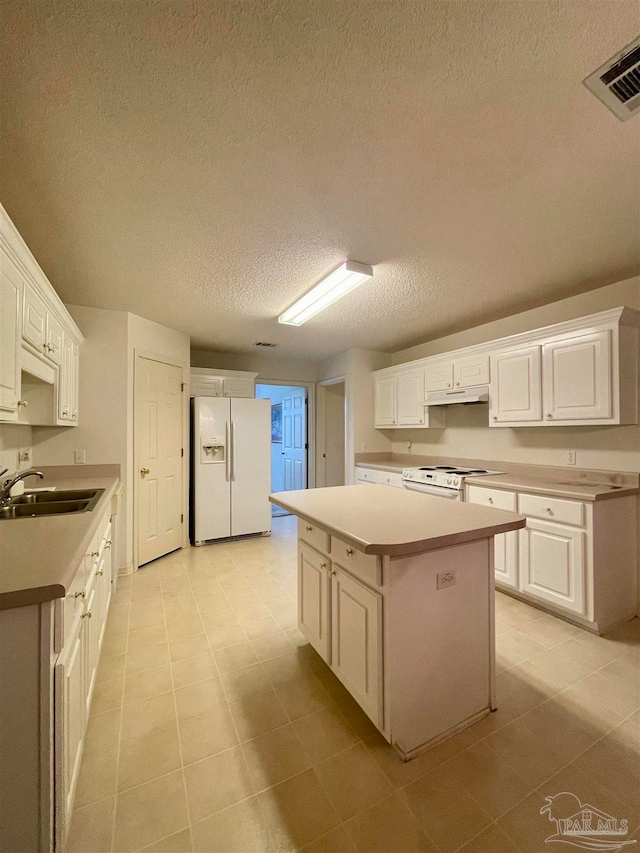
(445, 579)
(571, 457)
(79, 457)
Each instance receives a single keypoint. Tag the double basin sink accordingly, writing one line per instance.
(51, 503)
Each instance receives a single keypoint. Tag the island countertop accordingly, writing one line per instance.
(395, 522)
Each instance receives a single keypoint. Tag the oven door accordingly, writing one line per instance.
(438, 491)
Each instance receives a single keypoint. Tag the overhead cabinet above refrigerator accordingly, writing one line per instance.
(231, 467)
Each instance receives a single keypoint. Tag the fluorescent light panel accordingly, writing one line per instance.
(347, 277)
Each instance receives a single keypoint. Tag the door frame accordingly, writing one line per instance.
(310, 388)
(321, 440)
(139, 355)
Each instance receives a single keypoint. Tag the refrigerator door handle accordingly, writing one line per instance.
(227, 462)
(233, 452)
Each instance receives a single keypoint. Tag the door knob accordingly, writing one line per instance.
(282, 453)
(144, 471)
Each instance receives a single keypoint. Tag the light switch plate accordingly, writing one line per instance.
(79, 457)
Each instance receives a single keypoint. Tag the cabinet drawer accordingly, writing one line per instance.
(73, 603)
(367, 475)
(390, 478)
(492, 497)
(552, 509)
(363, 566)
(313, 536)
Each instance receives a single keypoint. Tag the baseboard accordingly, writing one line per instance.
(123, 571)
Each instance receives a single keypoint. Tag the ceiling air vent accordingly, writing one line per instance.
(264, 344)
(617, 82)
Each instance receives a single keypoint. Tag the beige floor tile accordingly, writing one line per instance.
(150, 812)
(237, 829)
(114, 645)
(336, 841)
(110, 668)
(221, 638)
(491, 780)
(190, 670)
(273, 646)
(144, 758)
(353, 781)
(251, 610)
(291, 668)
(591, 699)
(107, 695)
(616, 768)
(217, 782)
(97, 778)
(513, 648)
(264, 626)
(445, 810)
(200, 697)
(212, 604)
(155, 616)
(301, 699)
(178, 842)
(549, 725)
(147, 716)
(258, 714)
(143, 638)
(235, 657)
(179, 599)
(103, 731)
(297, 811)
(147, 658)
(490, 840)
(398, 772)
(242, 683)
(186, 613)
(526, 827)
(176, 629)
(219, 619)
(535, 760)
(92, 828)
(517, 692)
(147, 683)
(188, 647)
(548, 631)
(274, 757)
(207, 734)
(324, 733)
(388, 826)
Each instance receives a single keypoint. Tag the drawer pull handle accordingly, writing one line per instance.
(82, 593)
(549, 415)
(144, 471)
(548, 509)
(490, 500)
(323, 565)
(100, 573)
(333, 572)
(495, 417)
(349, 552)
(87, 615)
(94, 554)
(108, 543)
(308, 529)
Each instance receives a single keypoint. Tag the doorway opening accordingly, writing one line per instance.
(289, 438)
(332, 431)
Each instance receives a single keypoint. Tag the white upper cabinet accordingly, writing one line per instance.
(411, 411)
(11, 291)
(68, 382)
(54, 338)
(386, 400)
(34, 328)
(516, 392)
(577, 377)
(207, 382)
(438, 377)
(471, 371)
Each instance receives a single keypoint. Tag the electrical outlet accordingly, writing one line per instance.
(24, 455)
(571, 457)
(79, 457)
(445, 579)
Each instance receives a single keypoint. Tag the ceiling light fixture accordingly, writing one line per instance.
(333, 286)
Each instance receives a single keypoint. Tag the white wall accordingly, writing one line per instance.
(13, 438)
(467, 434)
(266, 366)
(334, 419)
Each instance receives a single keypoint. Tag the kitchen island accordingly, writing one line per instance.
(396, 595)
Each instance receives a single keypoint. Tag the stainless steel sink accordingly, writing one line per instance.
(51, 503)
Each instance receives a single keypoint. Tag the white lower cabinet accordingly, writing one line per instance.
(552, 564)
(356, 640)
(313, 599)
(505, 545)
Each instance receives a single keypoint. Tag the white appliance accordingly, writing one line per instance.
(465, 396)
(444, 481)
(230, 467)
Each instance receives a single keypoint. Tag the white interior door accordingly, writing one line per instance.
(294, 440)
(250, 466)
(158, 431)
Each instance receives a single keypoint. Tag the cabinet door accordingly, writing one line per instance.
(411, 398)
(438, 377)
(472, 371)
(206, 386)
(54, 338)
(577, 378)
(70, 720)
(515, 394)
(356, 634)
(11, 293)
(34, 328)
(552, 564)
(67, 380)
(92, 633)
(313, 599)
(505, 545)
(386, 401)
(74, 381)
(238, 387)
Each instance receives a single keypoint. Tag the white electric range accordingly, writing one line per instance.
(444, 481)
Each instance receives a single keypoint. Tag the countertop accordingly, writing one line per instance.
(40, 556)
(577, 483)
(395, 522)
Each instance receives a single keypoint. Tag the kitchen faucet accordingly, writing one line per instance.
(5, 491)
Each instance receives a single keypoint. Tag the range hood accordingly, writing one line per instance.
(465, 396)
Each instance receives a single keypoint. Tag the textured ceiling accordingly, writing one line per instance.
(204, 163)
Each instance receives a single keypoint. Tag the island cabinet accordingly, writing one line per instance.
(573, 558)
(410, 635)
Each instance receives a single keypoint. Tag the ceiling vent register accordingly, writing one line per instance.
(617, 82)
(264, 344)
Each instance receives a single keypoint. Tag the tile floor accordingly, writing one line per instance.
(215, 727)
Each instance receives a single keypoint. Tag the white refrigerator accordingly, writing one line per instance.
(230, 467)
